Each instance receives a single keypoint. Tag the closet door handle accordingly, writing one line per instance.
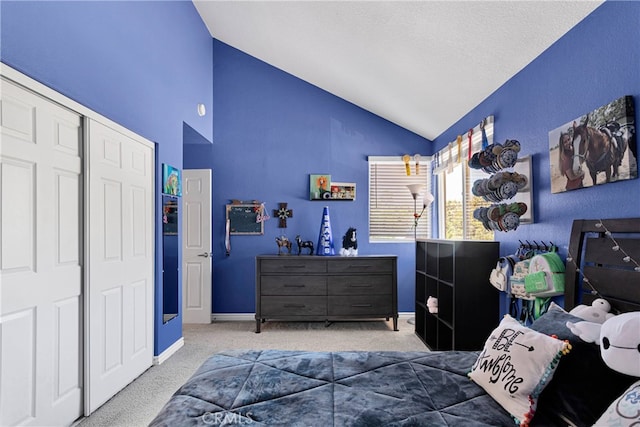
(205, 255)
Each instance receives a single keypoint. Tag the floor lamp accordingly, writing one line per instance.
(426, 201)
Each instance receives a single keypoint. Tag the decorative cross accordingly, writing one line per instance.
(283, 213)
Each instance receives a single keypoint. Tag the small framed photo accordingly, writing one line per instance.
(319, 186)
(343, 191)
(171, 180)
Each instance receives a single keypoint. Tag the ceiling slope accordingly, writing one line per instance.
(420, 64)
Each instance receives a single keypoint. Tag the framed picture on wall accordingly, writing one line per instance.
(171, 180)
(319, 186)
(343, 191)
(596, 148)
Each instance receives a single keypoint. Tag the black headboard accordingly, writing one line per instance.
(596, 251)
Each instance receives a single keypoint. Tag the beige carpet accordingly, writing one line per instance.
(138, 403)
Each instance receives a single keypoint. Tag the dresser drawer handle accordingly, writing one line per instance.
(294, 266)
(294, 306)
(360, 285)
(360, 266)
(360, 305)
(294, 286)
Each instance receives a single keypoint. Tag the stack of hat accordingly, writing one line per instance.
(496, 157)
(502, 217)
(501, 186)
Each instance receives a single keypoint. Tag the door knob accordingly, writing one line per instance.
(206, 255)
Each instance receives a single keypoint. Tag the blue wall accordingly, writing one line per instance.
(144, 65)
(270, 131)
(594, 63)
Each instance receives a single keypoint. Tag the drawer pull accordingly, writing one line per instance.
(360, 285)
(360, 266)
(294, 286)
(294, 266)
(294, 306)
(360, 305)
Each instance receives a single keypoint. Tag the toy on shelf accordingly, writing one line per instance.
(432, 304)
(306, 244)
(349, 243)
(283, 242)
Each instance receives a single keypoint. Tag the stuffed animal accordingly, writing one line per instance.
(597, 312)
(619, 341)
(432, 304)
(349, 243)
(618, 338)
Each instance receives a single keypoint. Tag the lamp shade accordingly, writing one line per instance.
(415, 189)
(427, 199)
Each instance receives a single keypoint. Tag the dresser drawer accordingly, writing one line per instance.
(360, 305)
(290, 265)
(274, 306)
(362, 265)
(361, 285)
(293, 285)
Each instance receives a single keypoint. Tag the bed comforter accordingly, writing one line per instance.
(297, 388)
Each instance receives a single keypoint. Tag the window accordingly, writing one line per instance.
(456, 202)
(391, 205)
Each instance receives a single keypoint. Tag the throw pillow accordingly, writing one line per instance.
(624, 411)
(515, 366)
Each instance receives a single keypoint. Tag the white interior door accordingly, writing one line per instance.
(196, 246)
(40, 260)
(120, 273)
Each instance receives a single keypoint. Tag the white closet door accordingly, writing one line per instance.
(40, 261)
(120, 244)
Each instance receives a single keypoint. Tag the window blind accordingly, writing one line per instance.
(391, 205)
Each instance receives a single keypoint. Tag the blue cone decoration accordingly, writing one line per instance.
(325, 240)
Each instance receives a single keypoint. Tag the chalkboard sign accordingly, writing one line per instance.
(242, 219)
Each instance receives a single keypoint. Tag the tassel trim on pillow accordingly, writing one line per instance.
(546, 377)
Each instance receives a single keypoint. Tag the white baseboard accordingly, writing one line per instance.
(162, 357)
(228, 317)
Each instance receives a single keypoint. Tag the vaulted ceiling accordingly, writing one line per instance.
(420, 64)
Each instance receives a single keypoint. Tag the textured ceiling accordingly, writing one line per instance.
(420, 64)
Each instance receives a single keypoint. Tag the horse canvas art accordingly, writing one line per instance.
(597, 148)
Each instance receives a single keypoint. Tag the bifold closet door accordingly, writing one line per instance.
(120, 271)
(40, 260)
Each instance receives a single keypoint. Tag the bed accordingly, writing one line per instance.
(386, 388)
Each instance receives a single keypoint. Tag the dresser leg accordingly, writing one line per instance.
(257, 326)
(395, 323)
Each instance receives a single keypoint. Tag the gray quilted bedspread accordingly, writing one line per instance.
(296, 388)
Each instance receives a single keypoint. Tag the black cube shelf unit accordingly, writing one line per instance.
(457, 273)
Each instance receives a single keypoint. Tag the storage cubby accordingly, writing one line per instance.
(457, 273)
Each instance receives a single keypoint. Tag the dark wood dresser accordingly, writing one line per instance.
(312, 288)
